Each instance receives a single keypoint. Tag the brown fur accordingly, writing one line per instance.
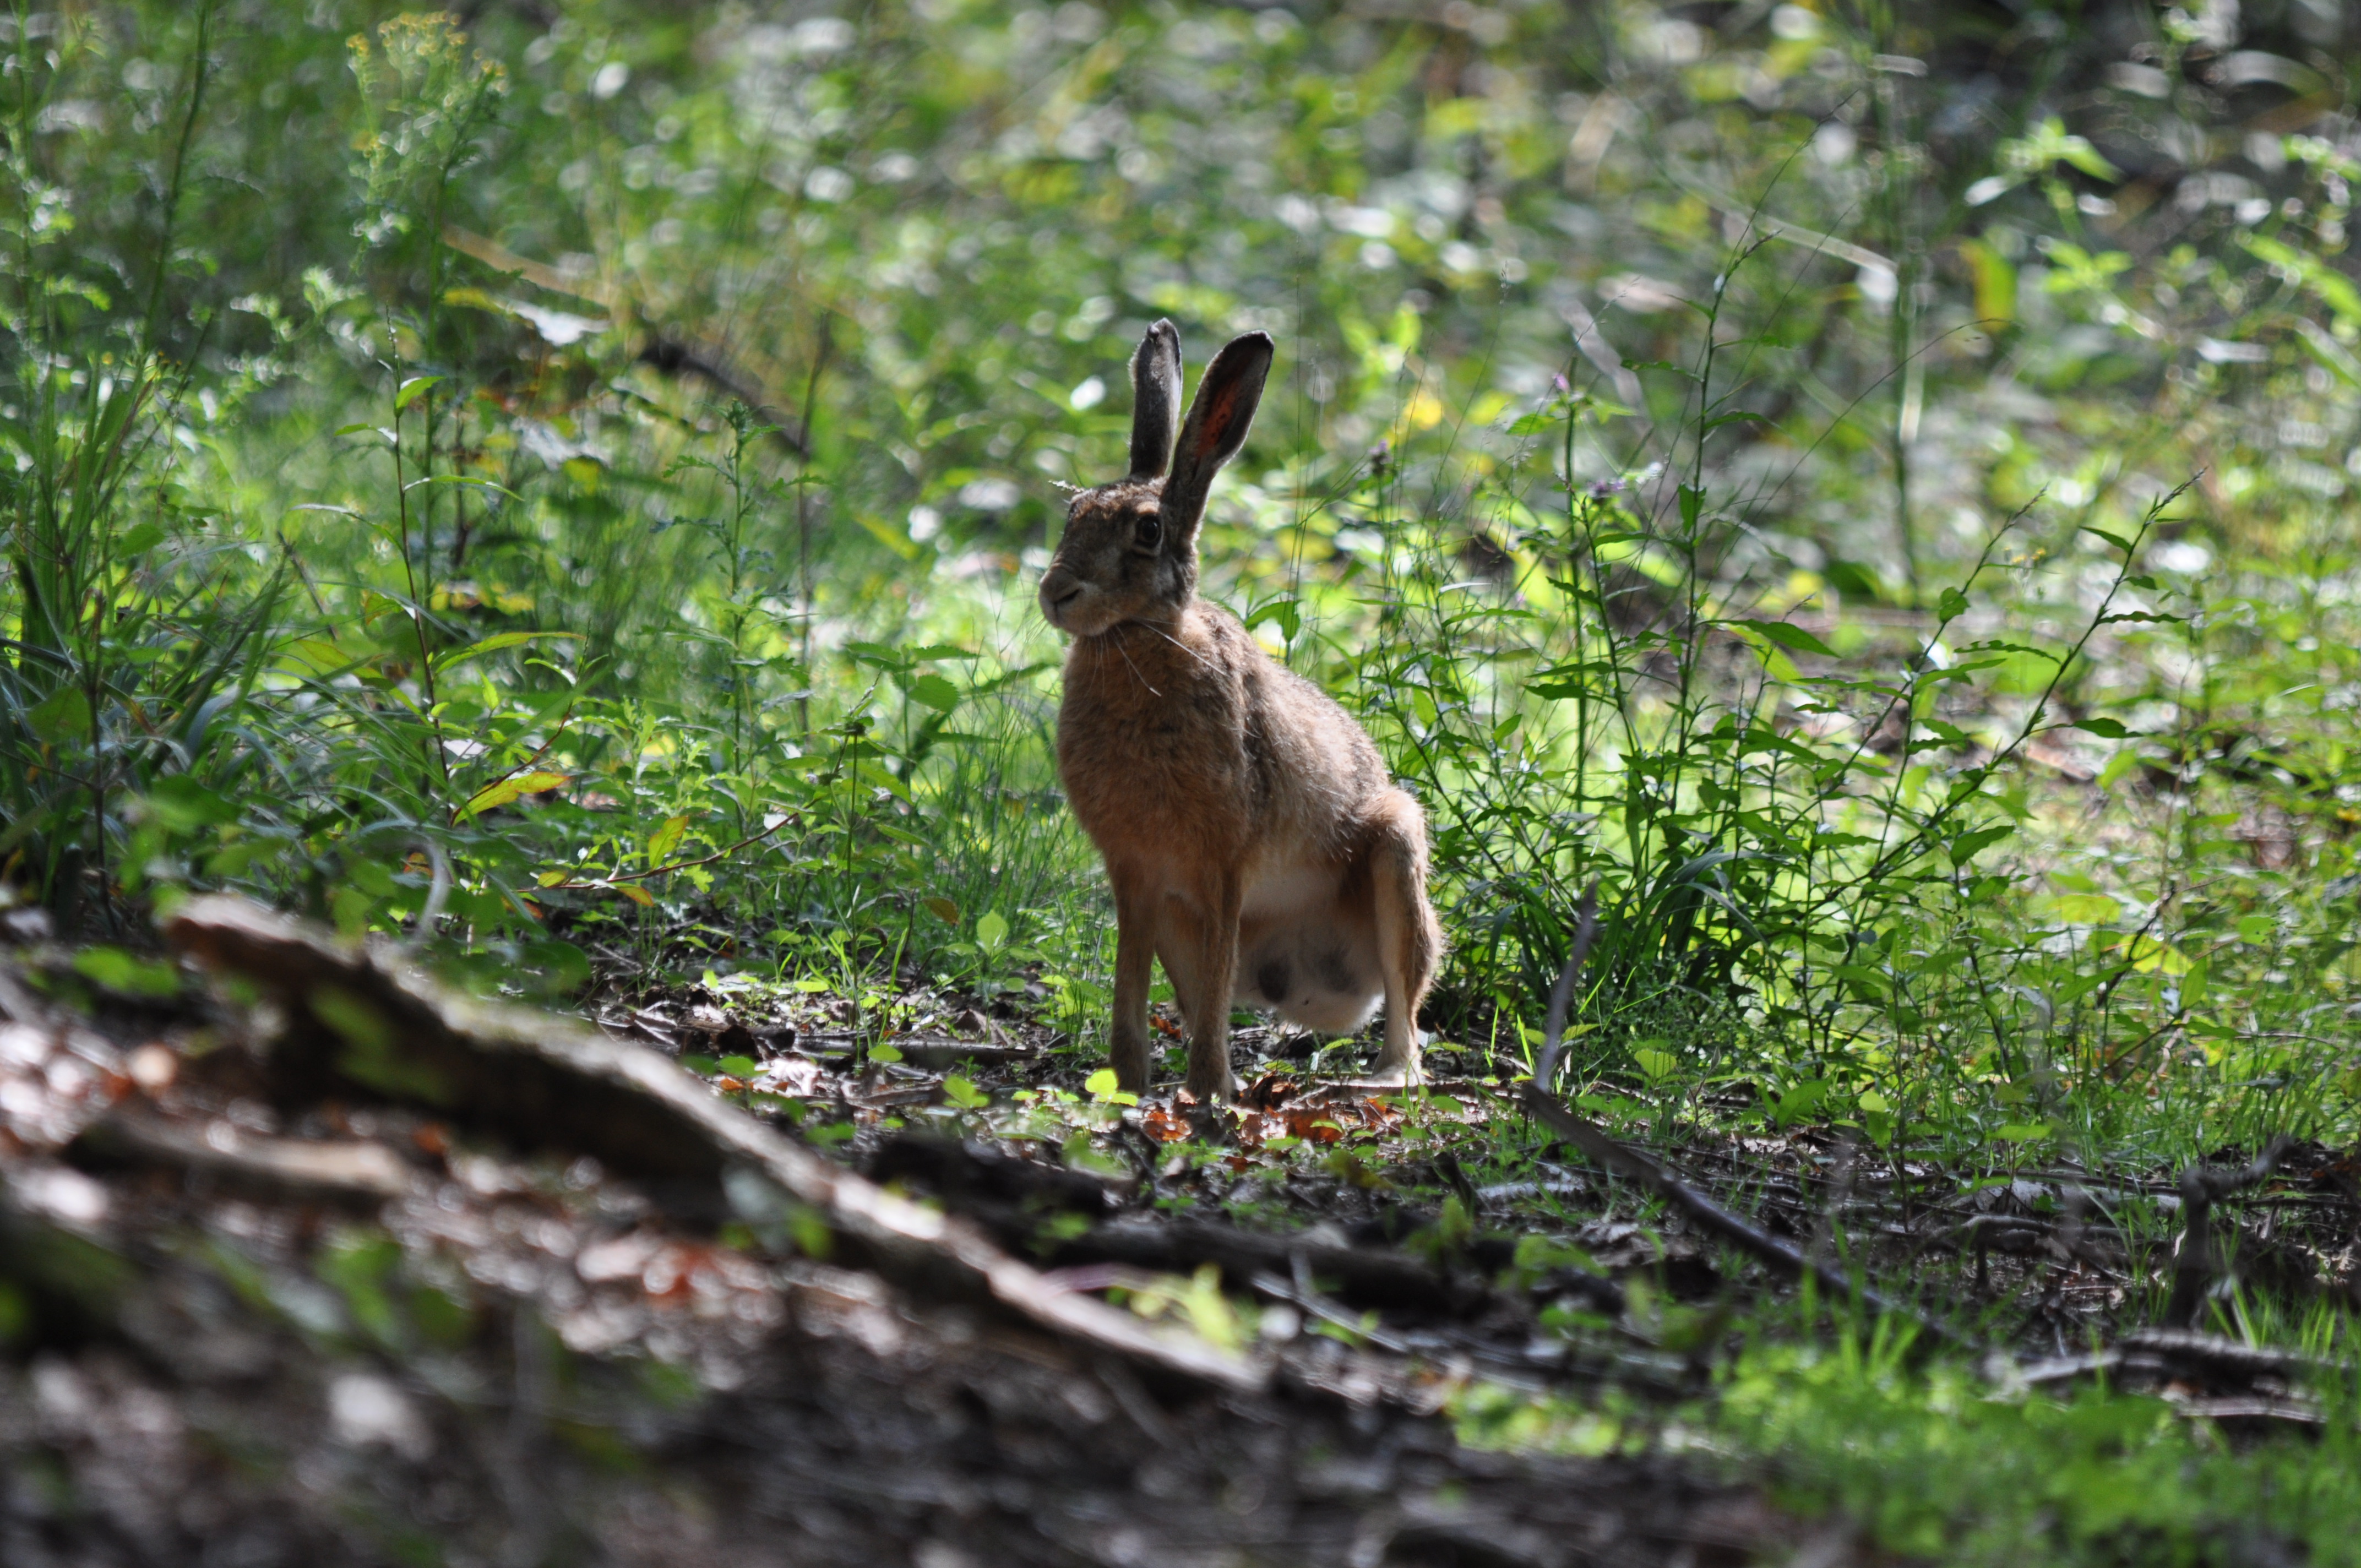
(1255, 846)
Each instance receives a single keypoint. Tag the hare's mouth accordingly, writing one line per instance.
(1071, 607)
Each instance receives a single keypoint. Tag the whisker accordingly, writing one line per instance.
(1182, 646)
(1135, 668)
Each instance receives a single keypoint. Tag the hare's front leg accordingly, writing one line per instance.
(1200, 958)
(1128, 1044)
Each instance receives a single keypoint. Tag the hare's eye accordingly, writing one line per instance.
(1151, 531)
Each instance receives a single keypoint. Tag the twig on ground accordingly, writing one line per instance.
(1592, 1140)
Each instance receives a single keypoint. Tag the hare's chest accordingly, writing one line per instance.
(1151, 754)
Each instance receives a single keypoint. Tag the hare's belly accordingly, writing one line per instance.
(1306, 954)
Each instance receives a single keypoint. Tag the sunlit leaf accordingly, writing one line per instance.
(512, 789)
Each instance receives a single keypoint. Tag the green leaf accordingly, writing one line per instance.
(1288, 612)
(1655, 1061)
(493, 644)
(2023, 1132)
(1787, 635)
(666, 839)
(886, 1054)
(2085, 908)
(1692, 505)
(2086, 158)
(62, 716)
(740, 1066)
(184, 805)
(512, 789)
(1968, 846)
(412, 390)
(2105, 729)
(933, 691)
(1101, 1087)
(961, 1092)
(2117, 540)
(126, 973)
(990, 930)
(1800, 1101)
(1950, 605)
(565, 968)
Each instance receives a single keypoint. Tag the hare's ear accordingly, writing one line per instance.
(1155, 401)
(1215, 428)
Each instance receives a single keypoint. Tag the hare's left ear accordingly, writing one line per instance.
(1215, 429)
(1155, 401)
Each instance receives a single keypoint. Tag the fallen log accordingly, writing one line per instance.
(361, 1021)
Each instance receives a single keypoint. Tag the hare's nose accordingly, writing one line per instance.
(1059, 589)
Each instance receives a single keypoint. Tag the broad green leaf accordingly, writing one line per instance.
(494, 643)
(933, 691)
(126, 973)
(512, 789)
(563, 966)
(1101, 1086)
(1968, 846)
(63, 715)
(2085, 908)
(990, 930)
(1787, 635)
(1287, 612)
(665, 839)
(183, 804)
(413, 389)
(962, 1093)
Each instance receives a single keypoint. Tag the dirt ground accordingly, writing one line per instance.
(269, 1300)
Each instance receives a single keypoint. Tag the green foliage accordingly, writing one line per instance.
(1874, 495)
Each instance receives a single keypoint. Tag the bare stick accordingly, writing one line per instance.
(1592, 1140)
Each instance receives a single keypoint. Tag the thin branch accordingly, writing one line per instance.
(1592, 1140)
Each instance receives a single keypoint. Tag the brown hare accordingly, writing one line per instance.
(1255, 843)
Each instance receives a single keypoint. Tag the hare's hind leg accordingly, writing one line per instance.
(1134, 952)
(1410, 942)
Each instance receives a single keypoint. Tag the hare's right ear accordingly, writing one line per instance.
(1155, 401)
(1215, 429)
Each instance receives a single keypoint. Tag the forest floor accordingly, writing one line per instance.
(306, 1260)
